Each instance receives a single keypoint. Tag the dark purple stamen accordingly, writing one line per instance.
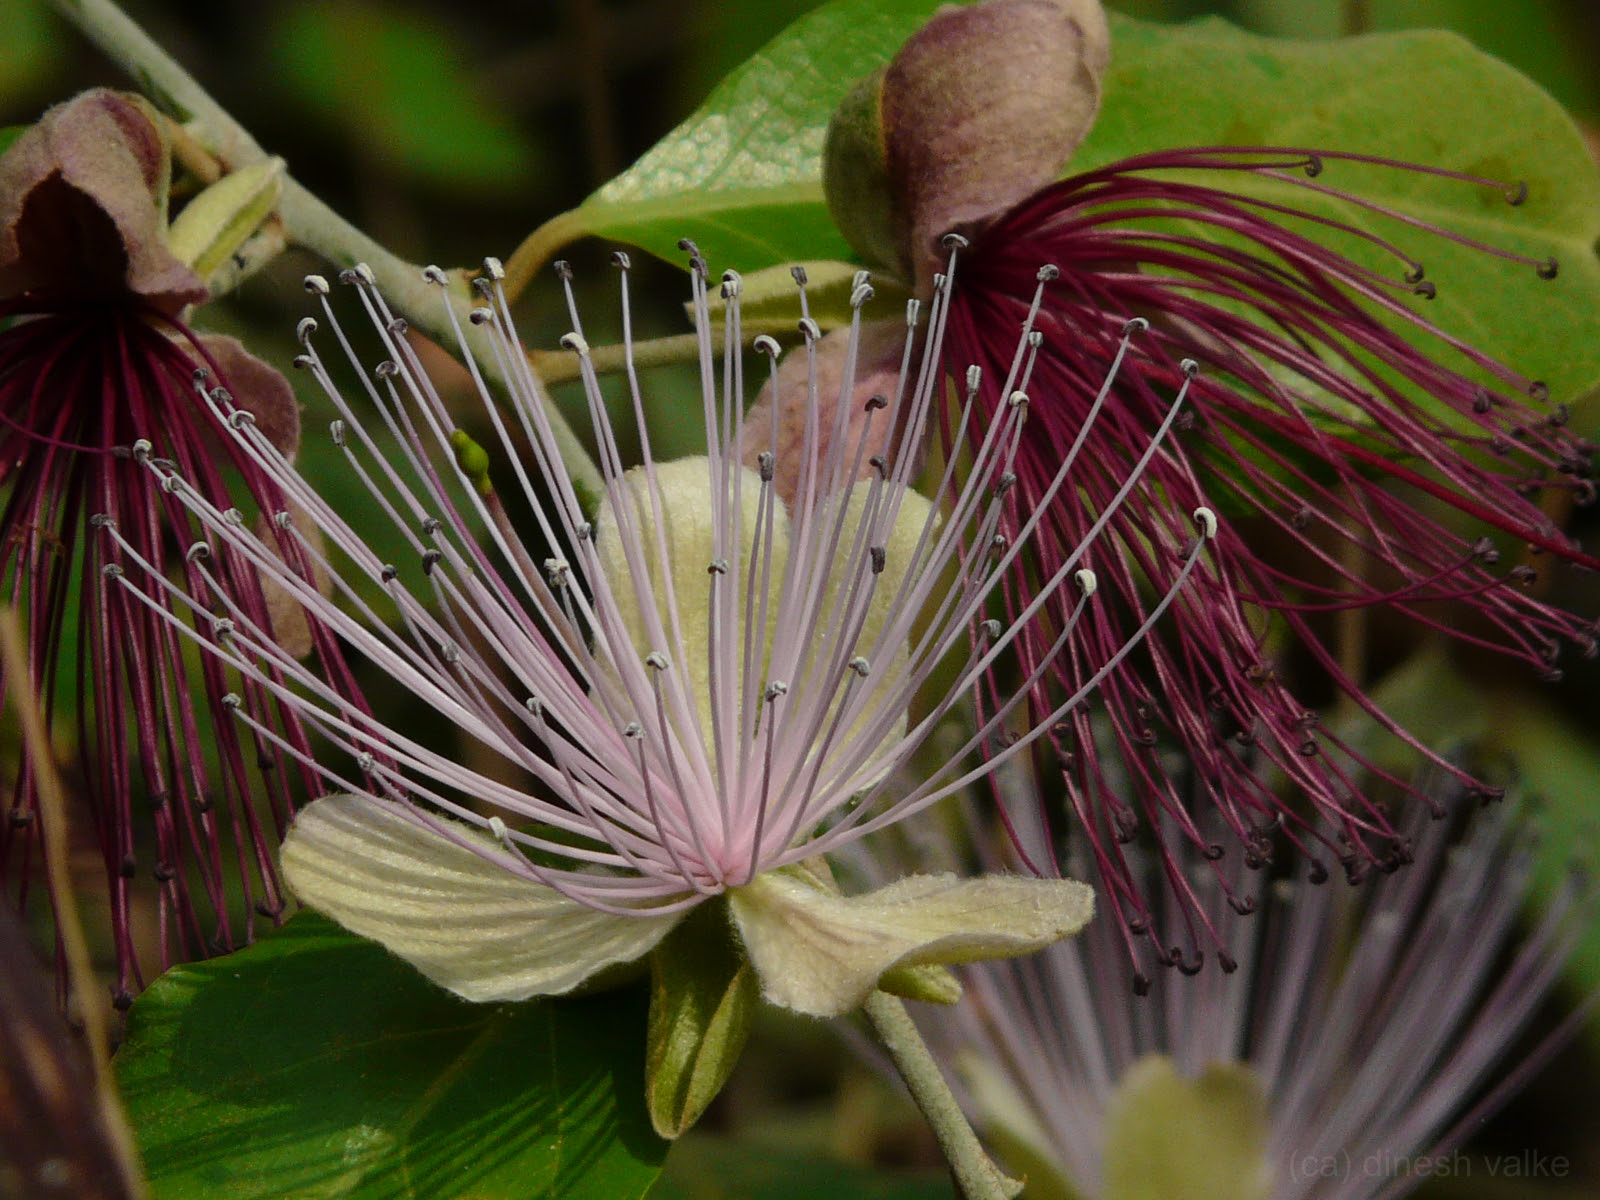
(1308, 405)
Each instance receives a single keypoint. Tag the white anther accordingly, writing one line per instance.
(1087, 581)
(576, 343)
(497, 827)
(775, 689)
(233, 700)
(1207, 521)
(436, 275)
(633, 730)
(810, 330)
(766, 344)
(232, 516)
(197, 551)
(656, 660)
(282, 518)
(317, 285)
(111, 571)
(336, 431)
(493, 269)
(238, 419)
(141, 450)
(860, 666)
(861, 293)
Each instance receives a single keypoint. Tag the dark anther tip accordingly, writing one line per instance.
(1213, 851)
(1313, 166)
(1415, 273)
(1425, 289)
(562, 268)
(1188, 966)
(1244, 906)
(1517, 193)
(688, 246)
(1539, 391)
(1227, 962)
(1141, 984)
(122, 1000)
(1549, 269)
(1317, 873)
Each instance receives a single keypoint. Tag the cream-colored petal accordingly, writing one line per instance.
(823, 954)
(467, 924)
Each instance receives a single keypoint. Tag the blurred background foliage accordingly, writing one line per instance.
(449, 131)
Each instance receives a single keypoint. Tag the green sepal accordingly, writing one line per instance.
(221, 219)
(855, 175)
(703, 997)
(931, 983)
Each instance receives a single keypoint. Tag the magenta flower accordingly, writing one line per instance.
(1368, 457)
(94, 354)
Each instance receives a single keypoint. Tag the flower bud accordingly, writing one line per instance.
(83, 200)
(980, 107)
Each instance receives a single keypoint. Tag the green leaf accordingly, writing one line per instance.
(742, 175)
(398, 86)
(1560, 766)
(315, 1065)
(1398, 96)
(707, 1167)
(703, 996)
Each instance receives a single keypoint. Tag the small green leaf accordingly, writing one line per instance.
(315, 1065)
(703, 996)
(1172, 1138)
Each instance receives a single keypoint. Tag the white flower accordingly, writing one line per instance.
(1333, 1057)
(702, 689)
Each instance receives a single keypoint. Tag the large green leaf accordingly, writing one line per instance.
(742, 175)
(315, 1065)
(1425, 97)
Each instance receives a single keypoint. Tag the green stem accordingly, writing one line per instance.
(307, 220)
(538, 248)
(976, 1175)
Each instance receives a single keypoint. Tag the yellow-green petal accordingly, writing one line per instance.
(823, 954)
(469, 925)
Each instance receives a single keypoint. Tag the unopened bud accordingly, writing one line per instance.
(980, 107)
